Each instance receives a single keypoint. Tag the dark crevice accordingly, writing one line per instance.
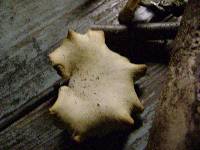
(44, 96)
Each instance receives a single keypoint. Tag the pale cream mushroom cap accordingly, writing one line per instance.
(100, 96)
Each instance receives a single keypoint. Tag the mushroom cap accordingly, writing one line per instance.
(100, 95)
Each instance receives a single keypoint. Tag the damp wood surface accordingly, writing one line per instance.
(29, 31)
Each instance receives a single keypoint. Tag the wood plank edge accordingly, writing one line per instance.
(36, 101)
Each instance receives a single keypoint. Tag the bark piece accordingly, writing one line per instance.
(100, 96)
(177, 121)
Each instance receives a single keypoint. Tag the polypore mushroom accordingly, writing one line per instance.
(100, 96)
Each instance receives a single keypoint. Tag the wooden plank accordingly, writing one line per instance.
(37, 129)
(29, 30)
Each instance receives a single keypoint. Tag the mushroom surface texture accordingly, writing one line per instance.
(100, 95)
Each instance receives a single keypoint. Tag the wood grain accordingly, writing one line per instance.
(177, 120)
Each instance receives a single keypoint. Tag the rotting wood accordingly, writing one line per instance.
(177, 120)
